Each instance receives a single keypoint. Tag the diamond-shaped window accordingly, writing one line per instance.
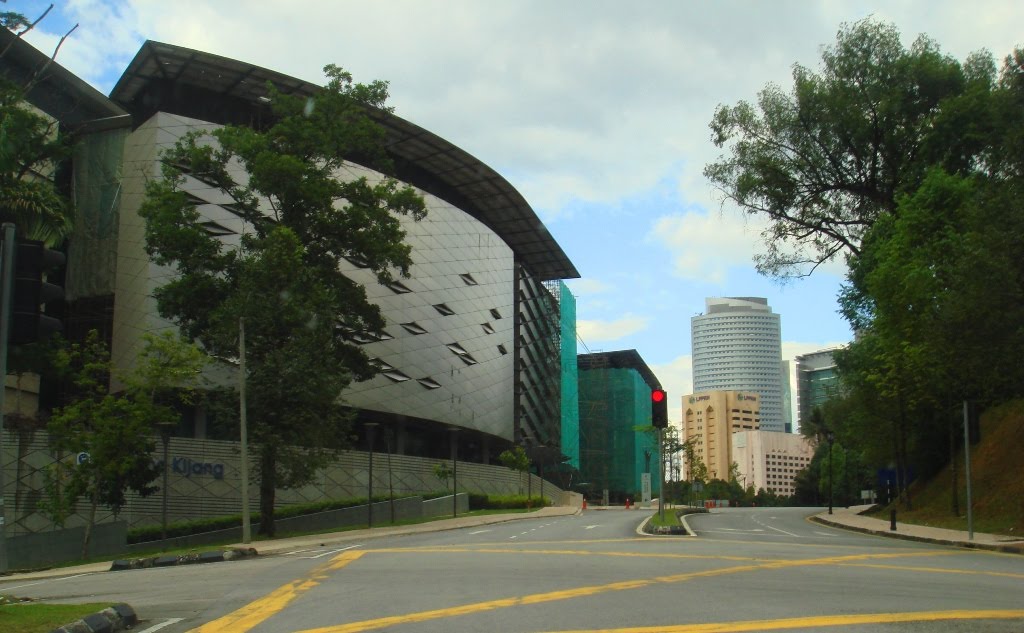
(414, 327)
(468, 279)
(429, 383)
(398, 288)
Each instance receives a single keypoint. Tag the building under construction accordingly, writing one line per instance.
(615, 401)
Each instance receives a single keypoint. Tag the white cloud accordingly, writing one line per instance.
(588, 286)
(607, 331)
(705, 246)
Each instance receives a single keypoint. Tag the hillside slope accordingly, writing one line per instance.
(997, 480)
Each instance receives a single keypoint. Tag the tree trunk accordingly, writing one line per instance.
(94, 499)
(952, 465)
(268, 478)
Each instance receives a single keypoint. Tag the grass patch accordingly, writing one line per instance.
(996, 484)
(34, 617)
(670, 519)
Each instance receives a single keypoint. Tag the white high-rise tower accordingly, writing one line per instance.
(737, 346)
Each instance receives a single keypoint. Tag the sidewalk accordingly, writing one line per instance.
(851, 519)
(291, 544)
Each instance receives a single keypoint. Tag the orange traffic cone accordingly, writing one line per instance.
(584, 503)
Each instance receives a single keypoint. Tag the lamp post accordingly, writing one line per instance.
(370, 428)
(455, 470)
(165, 434)
(831, 437)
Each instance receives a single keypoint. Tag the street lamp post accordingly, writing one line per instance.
(455, 470)
(370, 428)
(831, 438)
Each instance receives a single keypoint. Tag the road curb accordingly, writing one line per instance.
(110, 620)
(992, 547)
(183, 559)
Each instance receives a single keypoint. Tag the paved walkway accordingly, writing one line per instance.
(847, 518)
(852, 519)
(291, 544)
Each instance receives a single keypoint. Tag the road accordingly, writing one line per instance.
(747, 569)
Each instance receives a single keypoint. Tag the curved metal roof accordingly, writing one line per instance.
(169, 78)
(56, 91)
(620, 359)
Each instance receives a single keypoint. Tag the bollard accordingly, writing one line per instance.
(892, 520)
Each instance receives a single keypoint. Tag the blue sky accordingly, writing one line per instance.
(596, 111)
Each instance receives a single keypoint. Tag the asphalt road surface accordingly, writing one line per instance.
(754, 569)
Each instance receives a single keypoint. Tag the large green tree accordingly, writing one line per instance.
(824, 160)
(301, 313)
(113, 432)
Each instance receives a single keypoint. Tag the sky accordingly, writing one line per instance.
(597, 112)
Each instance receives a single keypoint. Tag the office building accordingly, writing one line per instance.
(770, 460)
(711, 418)
(816, 381)
(615, 399)
(737, 346)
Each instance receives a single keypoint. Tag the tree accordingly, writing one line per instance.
(31, 145)
(823, 162)
(111, 434)
(516, 459)
(443, 472)
(301, 313)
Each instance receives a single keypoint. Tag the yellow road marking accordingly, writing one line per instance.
(258, 611)
(937, 570)
(579, 592)
(560, 552)
(816, 621)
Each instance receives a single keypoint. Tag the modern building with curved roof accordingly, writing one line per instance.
(471, 341)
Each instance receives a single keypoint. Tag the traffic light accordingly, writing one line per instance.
(659, 408)
(29, 292)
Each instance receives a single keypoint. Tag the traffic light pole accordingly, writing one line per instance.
(6, 277)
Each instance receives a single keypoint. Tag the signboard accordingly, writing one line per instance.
(645, 486)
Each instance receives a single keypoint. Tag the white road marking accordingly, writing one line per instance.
(333, 551)
(783, 531)
(157, 627)
(479, 532)
(298, 551)
(830, 534)
(32, 584)
(590, 527)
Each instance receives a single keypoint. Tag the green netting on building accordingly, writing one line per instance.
(613, 402)
(92, 255)
(570, 377)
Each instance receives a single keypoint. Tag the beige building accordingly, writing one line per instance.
(770, 460)
(710, 419)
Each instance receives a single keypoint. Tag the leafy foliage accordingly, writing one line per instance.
(283, 276)
(824, 161)
(113, 431)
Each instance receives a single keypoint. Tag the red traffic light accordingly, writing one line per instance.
(658, 395)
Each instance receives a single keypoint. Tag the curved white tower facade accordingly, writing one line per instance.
(737, 346)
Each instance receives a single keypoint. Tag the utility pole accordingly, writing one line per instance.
(246, 523)
(6, 277)
(967, 470)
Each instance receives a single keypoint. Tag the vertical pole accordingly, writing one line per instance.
(370, 427)
(6, 276)
(830, 440)
(165, 435)
(246, 521)
(967, 472)
(661, 476)
(455, 472)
